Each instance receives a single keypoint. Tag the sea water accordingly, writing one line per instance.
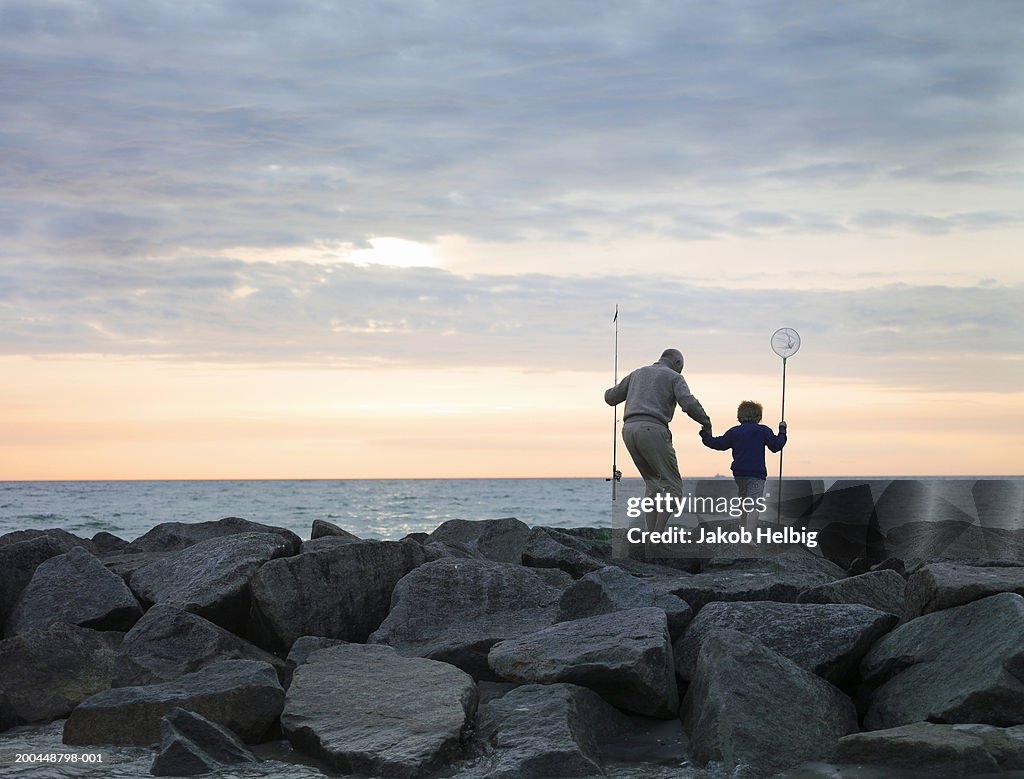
(370, 508)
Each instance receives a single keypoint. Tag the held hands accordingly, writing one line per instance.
(706, 428)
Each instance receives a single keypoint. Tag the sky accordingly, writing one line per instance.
(362, 240)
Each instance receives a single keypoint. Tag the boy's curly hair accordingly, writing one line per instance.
(749, 411)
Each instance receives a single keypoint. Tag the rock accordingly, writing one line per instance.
(500, 540)
(324, 542)
(883, 590)
(191, 745)
(611, 589)
(626, 657)
(847, 523)
(107, 543)
(169, 642)
(401, 716)
(777, 558)
(546, 548)
(46, 673)
(242, 695)
(776, 579)
(343, 591)
(943, 750)
(304, 647)
(64, 539)
(828, 640)
(323, 529)
(964, 664)
(301, 651)
(597, 540)
(750, 706)
(18, 561)
(210, 578)
(890, 564)
(74, 588)
(956, 540)
(455, 610)
(544, 730)
(124, 565)
(490, 691)
(940, 586)
(8, 716)
(438, 550)
(175, 536)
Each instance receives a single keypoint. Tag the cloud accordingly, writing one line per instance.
(144, 143)
(135, 129)
(375, 316)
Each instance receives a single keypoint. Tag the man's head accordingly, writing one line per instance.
(673, 358)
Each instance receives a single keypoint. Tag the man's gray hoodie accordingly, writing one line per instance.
(651, 394)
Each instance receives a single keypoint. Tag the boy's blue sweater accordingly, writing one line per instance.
(747, 441)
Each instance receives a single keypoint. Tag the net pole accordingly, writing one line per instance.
(778, 514)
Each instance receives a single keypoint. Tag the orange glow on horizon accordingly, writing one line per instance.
(104, 418)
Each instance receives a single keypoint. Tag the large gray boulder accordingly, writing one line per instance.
(169, 642)
(64, 539)
(342, 591)
(18, 562)
(883, 590)
(543, 730)
(242, 695)
(611, 589)
(940, 586)
(175, 536)
(778, 579)
(750, 706)
(964, 664)
(500, 540)
(455, 610)
(210, 578)
(46, 673)
(302, 650)
(626, 657)
(548, 548)
(191, 745)
(828, 640)
(366, 709)
(941, 750)
(77, 589)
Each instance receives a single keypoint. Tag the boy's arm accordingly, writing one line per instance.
(615, 395)
(721, 442)
(776, 442)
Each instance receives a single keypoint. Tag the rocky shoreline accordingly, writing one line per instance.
(492, 649)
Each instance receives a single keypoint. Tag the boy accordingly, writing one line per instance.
(748, 440)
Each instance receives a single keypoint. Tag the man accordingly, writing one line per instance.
(651, 394)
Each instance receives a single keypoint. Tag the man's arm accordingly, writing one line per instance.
(617, 394)
(688, 403)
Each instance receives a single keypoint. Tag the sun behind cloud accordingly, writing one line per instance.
(397, 252)
(386, 250)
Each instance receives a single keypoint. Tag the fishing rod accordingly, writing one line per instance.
(616, 473)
